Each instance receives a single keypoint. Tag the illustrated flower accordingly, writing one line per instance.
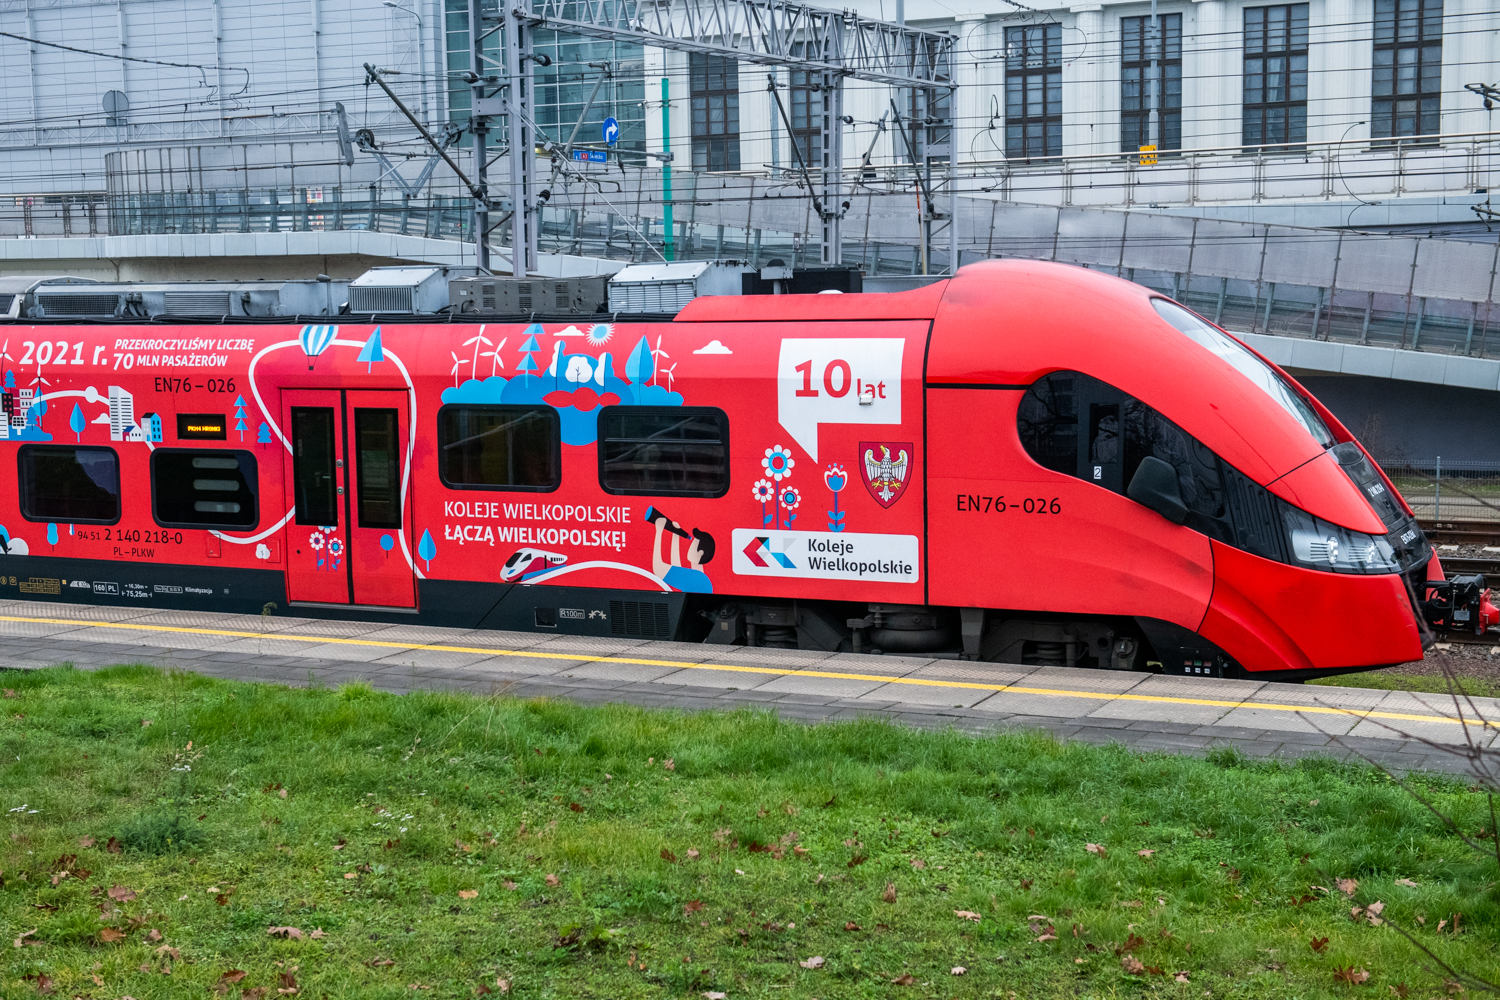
(763, 491)
(836, 477)
(335, 547)
(790, 498)
(778, 463)
(316, 540)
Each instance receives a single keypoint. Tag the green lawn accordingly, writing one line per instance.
(427, 845)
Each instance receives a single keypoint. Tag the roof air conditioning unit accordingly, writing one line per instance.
(667, 288)
(533, 296)
(409, 290)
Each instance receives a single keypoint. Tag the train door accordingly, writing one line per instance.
(345, 486)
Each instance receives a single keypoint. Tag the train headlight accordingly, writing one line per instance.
(1317, 544)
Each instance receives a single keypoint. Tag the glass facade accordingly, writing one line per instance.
(1275, 103)
(1136, 46)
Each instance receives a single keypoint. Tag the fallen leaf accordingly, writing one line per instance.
(351, 874)
(110, 935)
(1146, 853)
(967, 915)
(851, 926)
(42, 980)
(1351, 975)
(1095, 849)
(667, 855)
(291, 933)
(154, 935)
(254, 993)
(1312, 802)
(957, 970)
(121, 894)
(816, 962)
(509, 885)
(713, 995)
(1047, 937)
(145, 723)
(1132, 965)
(1180, 977)
(1373, 911)
(1318, 944)
(906, 979)
(11, 693)
(552, 880)
(380, 963)
(85, 841)
(692, 907)
(890, 892)
(468, 893)
(692, 854)
(1401, 990)
(1347, 885)
(1406, 882)
(317, 933)
(918, 864)
(503, 985)
(571, 805)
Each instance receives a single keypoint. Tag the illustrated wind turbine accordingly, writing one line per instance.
(670, 377)
(476, 340)
(496, 362)
(657, 352)
(457, 364)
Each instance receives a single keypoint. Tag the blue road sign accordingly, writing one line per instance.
(611, 131)
(591, 155)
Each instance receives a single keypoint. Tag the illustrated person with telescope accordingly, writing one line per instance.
(689, 579)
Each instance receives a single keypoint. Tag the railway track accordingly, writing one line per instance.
(1466, 547)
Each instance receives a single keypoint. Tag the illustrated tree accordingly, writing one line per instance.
(264, 434)
(239, 416)
(76, 422)
(528, 365)
(372, 351)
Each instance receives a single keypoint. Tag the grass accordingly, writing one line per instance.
(1383, 680)
(430, 844)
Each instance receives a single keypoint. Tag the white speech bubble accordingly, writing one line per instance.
(846, 380)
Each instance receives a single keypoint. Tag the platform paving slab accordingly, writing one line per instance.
(1158, 713)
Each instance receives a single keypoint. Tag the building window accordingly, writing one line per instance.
(806, 112)
(716, 112)
(1407, 85)
(1275, 109)
(1136, 50)
(1033, 91)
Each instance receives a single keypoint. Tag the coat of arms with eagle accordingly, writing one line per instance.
(883, 465)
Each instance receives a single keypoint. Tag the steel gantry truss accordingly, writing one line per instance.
(832, 46)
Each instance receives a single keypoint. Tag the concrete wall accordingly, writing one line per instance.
(1415, 421)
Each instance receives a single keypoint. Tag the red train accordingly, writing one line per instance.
(1029, 462)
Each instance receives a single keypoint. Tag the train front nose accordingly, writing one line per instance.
(1348, 593)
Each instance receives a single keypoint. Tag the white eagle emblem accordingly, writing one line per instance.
(885, 477)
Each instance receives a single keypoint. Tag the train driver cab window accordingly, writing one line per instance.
(76, 485)
(500, 448)
(206, 488)
(664, 451)
(1077, 425)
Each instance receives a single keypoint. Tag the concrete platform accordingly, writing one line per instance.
(1144, 711)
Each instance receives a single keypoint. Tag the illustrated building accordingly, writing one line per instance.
(23, 404)
(121, 413)
(151, 426)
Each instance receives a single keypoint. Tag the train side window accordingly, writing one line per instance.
(1048, 422)
(215, 488)
(664, 451)
(500, 448)
(76, 485)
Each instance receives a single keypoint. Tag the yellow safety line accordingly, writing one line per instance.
(775, 671)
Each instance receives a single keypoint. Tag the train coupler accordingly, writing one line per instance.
(1459, 604)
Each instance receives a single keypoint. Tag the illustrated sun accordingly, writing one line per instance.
(598, 334)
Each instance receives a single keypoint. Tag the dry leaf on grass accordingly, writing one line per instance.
(667, 855)
(890, 892)
(121, 894)
(1181, 977)
(1132, 965)
(692, 854)
(1406, 882)
(1096, 849)
(714, 995)
(1318, 944)
(1146, 853)
(233, 976)
(552, 880)
(21, 940)
(1347, 885)
(692, 907)
(1351, 975)
(291, 933)
(957, 970)
(468, 893)
(905, 979)
(816, 962)
(967, 915)
(918, 864)
(851, 926)
(509, 885)
(317, 933)
(110, 935)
